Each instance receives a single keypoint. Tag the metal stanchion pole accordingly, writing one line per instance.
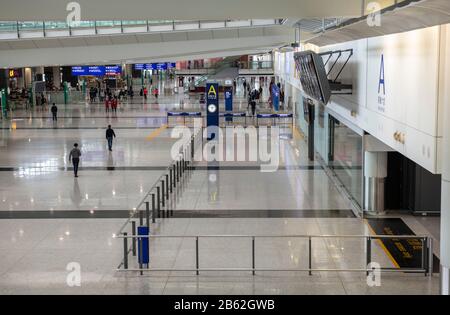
(430, 256)
(171, 180)
(133, 228)
(125, 251)
(141, 218)
(197, 262)
(424, 256)
(253, 255)
(310, 255)
(147, 213)
(153, 209)
(167, 187)
(163, 192)
(369, 252)
(158, 201)
(174, 175)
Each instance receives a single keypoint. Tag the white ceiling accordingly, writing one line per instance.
(414, 16)
(129, 48)
(37, 10)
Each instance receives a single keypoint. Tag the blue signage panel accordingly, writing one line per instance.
(155, 66)
(113, 70)
(212, 110)
(276, 97)
(96, 70)
(143, 245)
(229, 101)
(139, 66)
(79, 70)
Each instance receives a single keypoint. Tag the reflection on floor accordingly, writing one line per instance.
(36, 184)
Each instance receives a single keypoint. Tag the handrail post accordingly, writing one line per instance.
(147, 213)
(197, 262)
(125, 251)
(174, 175)
(424, 255)
(310, 255)
(153, 209)
(133, 230)
(163, 192)
(430, 256)
(158, 201)
(171, 179)
(167, 187)
(253, 255)
(141, 218)
(369, 253)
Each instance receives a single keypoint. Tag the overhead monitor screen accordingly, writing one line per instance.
(313, 76)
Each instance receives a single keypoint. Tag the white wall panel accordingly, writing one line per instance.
(412, 102)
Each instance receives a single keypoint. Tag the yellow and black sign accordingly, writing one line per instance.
(404, 253)
(14, 73)
(212, 92)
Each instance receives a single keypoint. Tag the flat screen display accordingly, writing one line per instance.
(96, 70)
(313, 76)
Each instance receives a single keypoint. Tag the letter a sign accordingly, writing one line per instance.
(381, 81)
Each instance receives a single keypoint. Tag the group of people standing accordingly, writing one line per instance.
(75, 153)
(111, 103)
(144, 92)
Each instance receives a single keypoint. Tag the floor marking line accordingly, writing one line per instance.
(383, 247)
(296, 133)
(156, 133)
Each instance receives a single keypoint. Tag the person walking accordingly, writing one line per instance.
(145, 93)
(253, 103)
(107, 104)
(110, 135)
(114, 104)
(74, 156)
(54, 110)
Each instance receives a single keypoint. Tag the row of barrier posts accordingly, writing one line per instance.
(424, 267)
(232, 118)
(157, 205)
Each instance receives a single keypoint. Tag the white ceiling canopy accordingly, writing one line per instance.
(415, 15)
(91, 10)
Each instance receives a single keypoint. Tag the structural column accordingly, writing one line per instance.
(375, 173)
(445, 199)
(57, 77)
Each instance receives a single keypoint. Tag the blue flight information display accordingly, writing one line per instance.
(155, 66)
(96, 70)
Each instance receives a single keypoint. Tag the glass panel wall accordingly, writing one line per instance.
(348, 160)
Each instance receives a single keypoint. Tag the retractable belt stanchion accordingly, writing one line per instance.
(153, 209)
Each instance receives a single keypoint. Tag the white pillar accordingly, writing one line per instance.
(27, 77)
(375, 172)
(445, 199)
(57, 77)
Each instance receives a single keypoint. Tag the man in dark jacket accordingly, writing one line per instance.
(74, 156)
(110, 135)
(54, 112)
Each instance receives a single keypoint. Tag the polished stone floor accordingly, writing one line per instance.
(48, 219)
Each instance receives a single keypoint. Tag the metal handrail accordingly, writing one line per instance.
(283, 236)
(155, 185)
(426, 263)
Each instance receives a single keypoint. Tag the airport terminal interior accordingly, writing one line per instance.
(262, 148)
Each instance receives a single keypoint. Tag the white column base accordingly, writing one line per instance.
(445, 280)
